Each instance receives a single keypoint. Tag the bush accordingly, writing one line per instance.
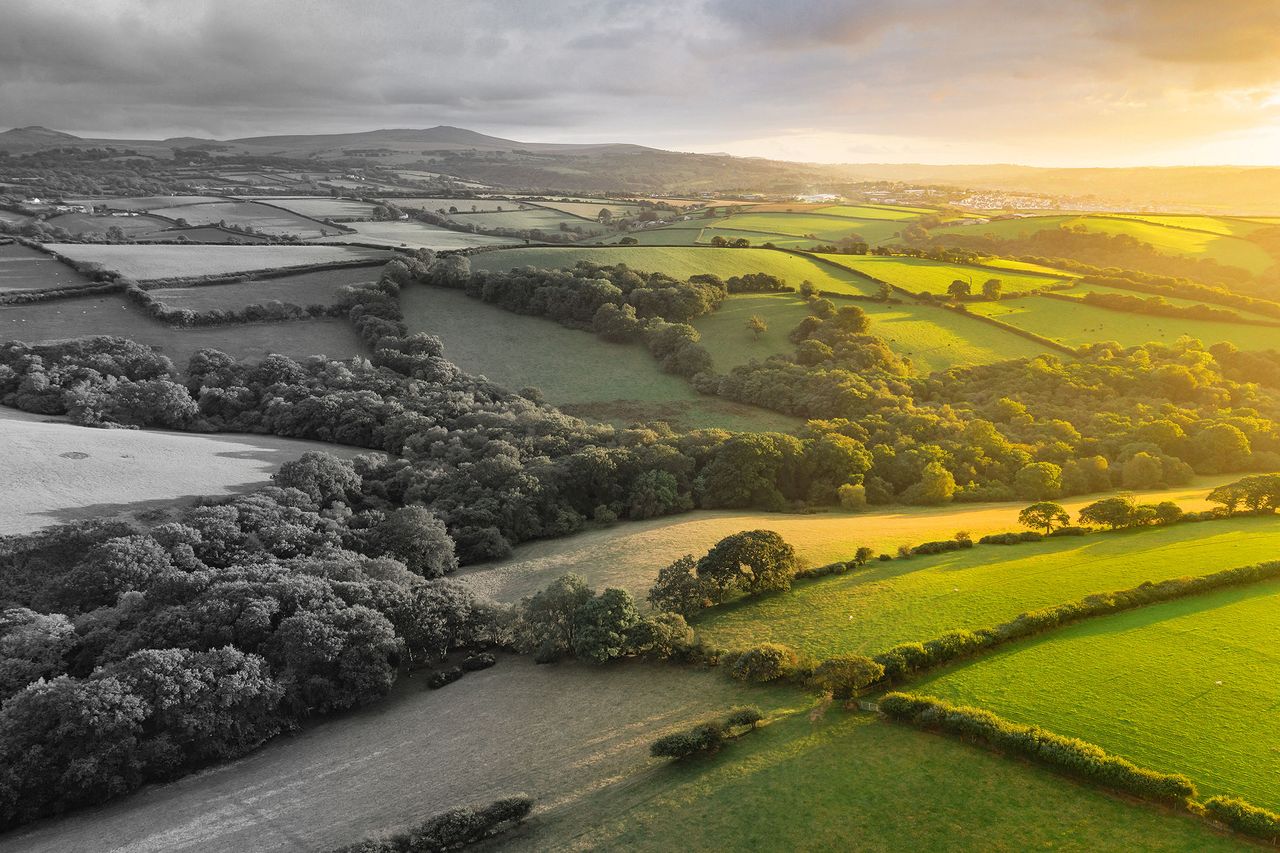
(441, 677)
(749, 715)
(1244, 817)
(1016, 537)
(843, 677)
(474, 663)
(1070, 530)
(707, 737)
(1076, 757)
(942, 546)
(451, 830)
(765, 662)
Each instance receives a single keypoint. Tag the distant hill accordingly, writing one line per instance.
(493, 160)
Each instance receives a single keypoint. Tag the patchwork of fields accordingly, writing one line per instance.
(261, 217)
(413, 235)
(308, 288)
(1189, 686)
(22, 268)
(922, 275)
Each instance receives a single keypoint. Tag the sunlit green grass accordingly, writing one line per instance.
(921, 274)
(1191, 686)
(922, 597)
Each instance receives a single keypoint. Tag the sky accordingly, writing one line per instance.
(1078, 83)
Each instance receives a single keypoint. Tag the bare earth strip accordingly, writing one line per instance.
(53, 472)
(629, 555)
(556, 733)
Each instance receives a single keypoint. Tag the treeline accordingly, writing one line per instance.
(1160, 307)
(132, 655)
(1068, 755)
(452, 830)
(273, 311)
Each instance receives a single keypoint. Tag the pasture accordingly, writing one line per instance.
(148, 263)
(922, 275)
(918, 598)
(1075, 323)
(203, 234)
(530, 219)
(22, 268)
(308, 288)
(260, 217)
(88, 316)
(629, 555)
(848, 782)
(575, 370)
(144, 203)
(874, 211)
(323, 207)
(932, 338)
(132, 226)
(591, 210)
(817, 228)
(435, 205)
(681, 263)
(1188, 686)
(413, 235)
(676, 234)
(56, 472)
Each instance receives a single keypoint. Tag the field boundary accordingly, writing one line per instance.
(1238, 320)
(1031, 336)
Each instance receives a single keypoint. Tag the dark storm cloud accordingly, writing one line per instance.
(704, 74)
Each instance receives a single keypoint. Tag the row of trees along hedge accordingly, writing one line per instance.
(451, 830)
(906, 660)
(1069, 755)
(273, 310)
(744, 564)
(707, 737)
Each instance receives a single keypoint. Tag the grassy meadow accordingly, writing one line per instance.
(680, 263)
(614, 383)
(22, 268)
(921, 274)
(261, 217)
(147, 263)
(56, 472)
(308, 288)
(629, 555)
(87, 316)
(1075, 323)
(1188, 686)
(531, 218)
(918, 598)
(814, 227)
(132, 226)
(933, 339)
(321, 207)
(412, 235)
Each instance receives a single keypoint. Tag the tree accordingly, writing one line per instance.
(862, 555)
(758, 325)
(1220, 448)
(603, 626)
(661, 636)
(678, 589)
(1113, 513)
(1038, 481)
(765, 662)
(414, 535)
(852, 496)
(1142, 471)
(992, 288)
(958, 289)
(842, 677)
(751, 562)
(1044, 515)
(549, 618)
(324, 477)
(936, 486)
(808, 290)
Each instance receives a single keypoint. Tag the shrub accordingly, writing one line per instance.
(765, 662)
(474, 663)
(1076, 757)
(707, 737)
(451, 830)
(843, 677)
(1070, 530)
(748, 715)
(1016, 537)
(1244, 817)
(441, 677)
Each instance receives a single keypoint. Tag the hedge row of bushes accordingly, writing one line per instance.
(451, 830)
(1076, 757)
(1017, 537)
(707, 737)
(1244, 817)
(907, 659)
(272, 311)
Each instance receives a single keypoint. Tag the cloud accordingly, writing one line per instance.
(1010, 79)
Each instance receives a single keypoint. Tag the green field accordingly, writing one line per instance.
(132, 226)
(150, 202)
(261, 217)
(87, 316)
(934, 339)
(630, 555)
(525, 220)
(591, 210)
(413, 235)
(676, 234)
(148, 263)
(575, 370)
(921, 597)
(22, 268)
(848, 782)
(1227, 226)
(1189, 686)
(680, 263)
(827, 229)
(308, 288)
(323, 207)
(1221, 246)
(57, 472)
(872, 211)
(1023, 266)
(1081, 288)
(920, 274)
(1075, 323)
(434, 204)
